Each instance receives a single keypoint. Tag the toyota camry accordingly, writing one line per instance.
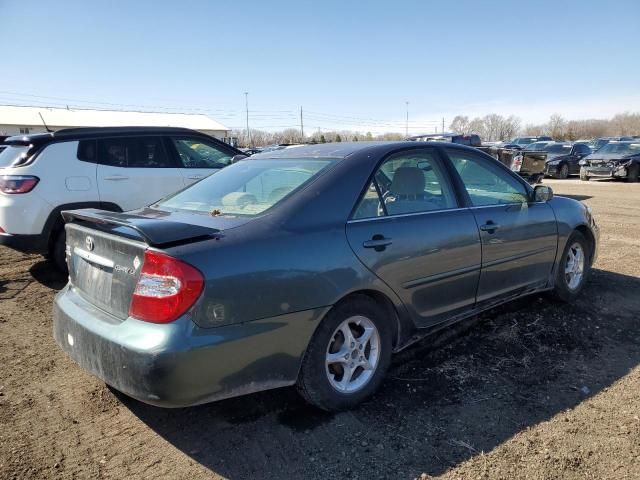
(309, 267)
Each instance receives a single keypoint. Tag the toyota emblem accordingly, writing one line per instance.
(89, 243)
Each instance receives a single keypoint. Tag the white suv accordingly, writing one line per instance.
(112, 168)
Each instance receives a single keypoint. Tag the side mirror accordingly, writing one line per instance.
(237, 158)
(542, 193)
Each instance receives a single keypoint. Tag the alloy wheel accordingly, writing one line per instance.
(352, 354)
(574, 266)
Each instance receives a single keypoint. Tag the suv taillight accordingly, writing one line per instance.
(166, 289)
(13, 184)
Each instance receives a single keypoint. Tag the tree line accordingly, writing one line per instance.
(492, 127)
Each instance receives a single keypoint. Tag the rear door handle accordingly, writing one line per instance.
(489, 227)
(378, 243)
(115, 178)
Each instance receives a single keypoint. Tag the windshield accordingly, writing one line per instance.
(246, 188)
(622, 149)
(558, 148)
(13, 155)
(523, 140)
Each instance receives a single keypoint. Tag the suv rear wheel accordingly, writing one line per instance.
(347, 357)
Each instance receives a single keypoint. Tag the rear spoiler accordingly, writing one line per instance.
(155, 232)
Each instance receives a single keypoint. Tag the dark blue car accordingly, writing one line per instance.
(309, 266)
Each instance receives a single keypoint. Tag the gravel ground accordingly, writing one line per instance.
(535, 389)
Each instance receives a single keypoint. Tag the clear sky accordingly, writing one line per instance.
(349, 64)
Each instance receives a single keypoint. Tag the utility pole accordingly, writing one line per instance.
(442, 124)
(301, 124)
(406, 128)
(246, 104)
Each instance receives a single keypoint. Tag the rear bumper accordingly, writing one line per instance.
(25, 243)
(180, 364)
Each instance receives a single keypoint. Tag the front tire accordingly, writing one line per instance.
(563, 173)
(633, 173)
(583, 175)
(348, 355)
(574, 268)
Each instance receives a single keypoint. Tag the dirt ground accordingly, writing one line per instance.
(535, 389)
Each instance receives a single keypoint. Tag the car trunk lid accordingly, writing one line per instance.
(105, 251)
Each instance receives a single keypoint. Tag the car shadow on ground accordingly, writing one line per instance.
(45, 273)
(490, 378)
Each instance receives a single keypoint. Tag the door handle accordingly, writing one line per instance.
(489, 227)
(195, 177)
(116, 177)
(377, 242)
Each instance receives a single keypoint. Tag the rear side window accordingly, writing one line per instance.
(87, 151)
(408, 182)
(133, 152)
(14, 156)
(197, 153)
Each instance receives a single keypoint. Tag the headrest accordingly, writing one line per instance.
(407, 181)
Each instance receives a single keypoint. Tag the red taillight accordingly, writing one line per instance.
(12, 184)
(166, 289)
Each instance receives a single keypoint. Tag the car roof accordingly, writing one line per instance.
(93, 132)
(346, 149)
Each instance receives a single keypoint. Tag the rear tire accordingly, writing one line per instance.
(363, 354)
(573, 269)
(583, 175)
(58, 251)
(563, 173)
(633, 173)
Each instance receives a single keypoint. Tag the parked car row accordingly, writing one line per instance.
(529, 165)
(534, 157)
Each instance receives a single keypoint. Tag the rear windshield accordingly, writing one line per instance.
(13, 155)
(621, 148)
(558, 148)
(246, 188)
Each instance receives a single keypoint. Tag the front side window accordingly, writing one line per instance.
(246, 188)
(195, 153)
(133, 152)
(408, 182)
(582, 149)
(485, 183)
(87, 151)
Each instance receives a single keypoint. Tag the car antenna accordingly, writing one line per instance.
(45, 123)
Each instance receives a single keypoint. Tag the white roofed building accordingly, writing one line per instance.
(16, 120)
